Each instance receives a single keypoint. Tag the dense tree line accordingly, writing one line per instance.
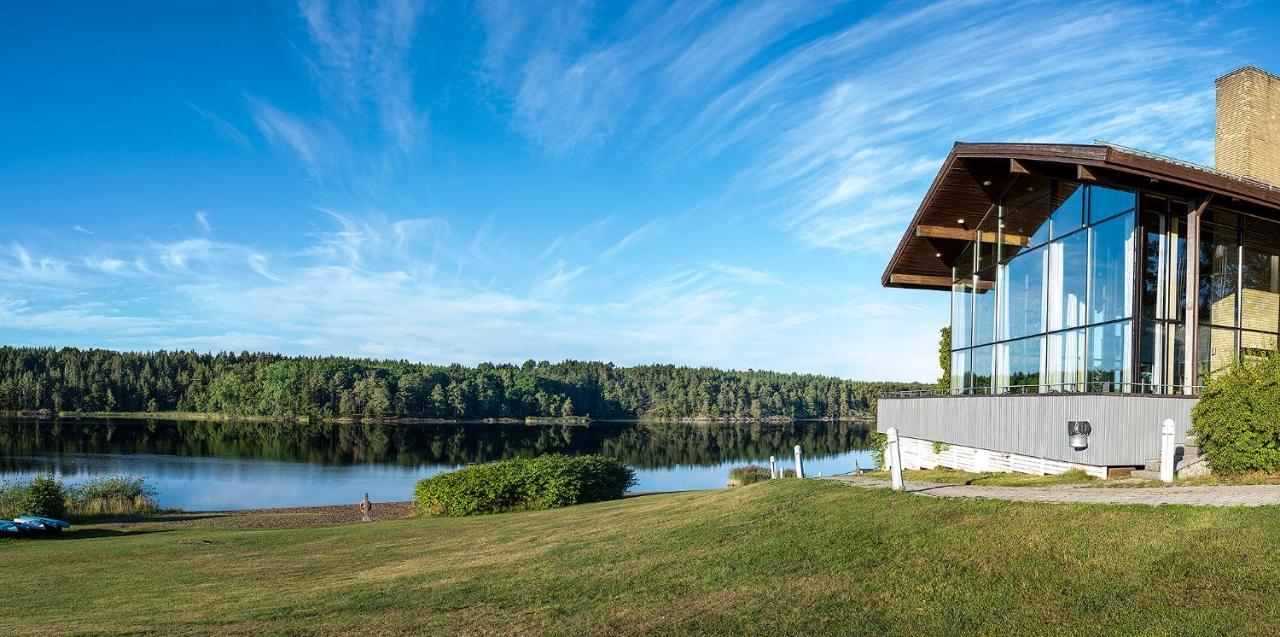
(642, 444)
(263, 384)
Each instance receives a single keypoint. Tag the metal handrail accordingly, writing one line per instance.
(1075, 387)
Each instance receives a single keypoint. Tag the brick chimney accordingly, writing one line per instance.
(1247, 139)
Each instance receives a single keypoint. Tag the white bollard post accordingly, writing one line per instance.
(1166, 450)
(799, 464)
(773, 467)
(895, 460)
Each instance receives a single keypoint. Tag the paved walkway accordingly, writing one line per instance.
(1223, 496)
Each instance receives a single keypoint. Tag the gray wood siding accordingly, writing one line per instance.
(1126, 427)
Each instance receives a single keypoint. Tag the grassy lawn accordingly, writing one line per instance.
(989, 478)
(781, 557)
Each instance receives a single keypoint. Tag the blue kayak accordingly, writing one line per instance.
(30, 528)
(8, 528)
(52, 524)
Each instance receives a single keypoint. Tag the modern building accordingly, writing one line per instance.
(1091, 283)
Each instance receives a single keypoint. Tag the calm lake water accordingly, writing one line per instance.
(233, 465)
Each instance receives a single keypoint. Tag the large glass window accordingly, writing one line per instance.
(1219, 274)
(1111, 250)
(982, 367)
(1018, 365)
(1105, 203)
(1022, 295)
(1069, 215)
(1109, 353)
(1216, 349)
(1260, 280)
(1064, 361)
(961, 313)
(1068, 281)
(959, 371)
(984, 309)
(1056, 311)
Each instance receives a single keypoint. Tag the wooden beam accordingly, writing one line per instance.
(1192, 315)
(932, 281)
(962, 234)
(1084, 174)
(1016, 166)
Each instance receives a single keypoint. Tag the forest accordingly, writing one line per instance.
(264, 384)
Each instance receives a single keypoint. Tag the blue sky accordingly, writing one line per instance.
(693, 183)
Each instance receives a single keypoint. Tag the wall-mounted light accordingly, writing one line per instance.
(1078, 434)
(987, 182)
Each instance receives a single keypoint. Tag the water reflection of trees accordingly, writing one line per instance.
(640, 444)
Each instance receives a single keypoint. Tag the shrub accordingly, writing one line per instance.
(879, 449)
(1237, 419)
(788, 473)
(44, 496)
(11, 494)
(749, 474)
(544, 482)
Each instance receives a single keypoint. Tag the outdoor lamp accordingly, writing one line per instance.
(1078, 434)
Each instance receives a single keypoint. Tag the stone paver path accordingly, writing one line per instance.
(1224, 496)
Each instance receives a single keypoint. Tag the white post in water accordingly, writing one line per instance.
(773, 467)
(799, 464)
(895, 460)
(1166, 450)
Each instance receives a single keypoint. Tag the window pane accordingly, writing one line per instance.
(1164, 254)
(1218, 275)
(1109, 354)
(961, 313)
(1064, 361)
(1256, 345)
(1019, 365)
(1069, 215)
(959, 371)
(1260, 279)
(1151, 357)
(984, 314)
(1112, 250)
(1105, 203)
(1217, 349)
(1022, 295)
(1067, 282)
(982, 369)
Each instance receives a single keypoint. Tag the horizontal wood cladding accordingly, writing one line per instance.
(1126, 427)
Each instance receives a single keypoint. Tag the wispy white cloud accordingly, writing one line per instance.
(202, 221)
(316, 152)
(644, 231)
(223, 128)
(746, 275)
(362, 58)
(81, 229)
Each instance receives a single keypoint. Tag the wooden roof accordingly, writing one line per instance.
(974, 176)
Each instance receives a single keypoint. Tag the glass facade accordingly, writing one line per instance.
(1051, 310)
(1083, 288)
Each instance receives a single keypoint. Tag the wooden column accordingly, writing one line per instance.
(1192, 313)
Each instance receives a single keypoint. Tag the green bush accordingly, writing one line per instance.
(749, 474)
(1237, 419)
(11, 494)
(544, 482)
(44, 496)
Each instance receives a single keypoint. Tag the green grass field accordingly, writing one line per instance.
(781, 557)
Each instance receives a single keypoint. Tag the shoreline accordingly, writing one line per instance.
(46, 414)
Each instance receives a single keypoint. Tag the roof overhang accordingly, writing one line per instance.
(961, 201)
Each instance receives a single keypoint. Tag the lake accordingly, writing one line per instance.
(202, 465)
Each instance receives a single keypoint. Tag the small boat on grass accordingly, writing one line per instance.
(32, 526)
(51, 524)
